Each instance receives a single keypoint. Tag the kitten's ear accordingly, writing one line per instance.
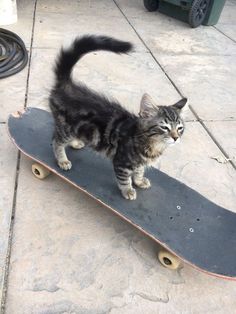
(147, 107)
(180, 104)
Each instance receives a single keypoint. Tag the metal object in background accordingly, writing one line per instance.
(13, 54)
(195, 12)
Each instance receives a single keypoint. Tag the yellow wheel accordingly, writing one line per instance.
(39, 171)
(168, 260)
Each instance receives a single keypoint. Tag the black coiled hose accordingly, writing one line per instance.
(13, 54)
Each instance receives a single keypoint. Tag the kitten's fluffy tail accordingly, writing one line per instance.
(82, 45)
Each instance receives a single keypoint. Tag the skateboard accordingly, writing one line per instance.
(189, 227)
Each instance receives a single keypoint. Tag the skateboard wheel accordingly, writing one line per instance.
(39, 171)
(169, 260)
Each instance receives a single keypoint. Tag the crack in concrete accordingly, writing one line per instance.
(3, 297)
(220, 31)
(30, 55)
(8, 256)
(212, 137)
(151, 298)
(52, 289)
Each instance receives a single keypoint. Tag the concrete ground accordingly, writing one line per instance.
(60, 251)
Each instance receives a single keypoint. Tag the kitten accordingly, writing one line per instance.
(84, 117)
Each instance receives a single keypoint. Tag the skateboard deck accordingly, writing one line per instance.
(184, 222)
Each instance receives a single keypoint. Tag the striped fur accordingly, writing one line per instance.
(84, 117)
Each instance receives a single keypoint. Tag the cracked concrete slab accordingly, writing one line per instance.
(13, 91)
(225, 132)
(133, 8)
(229, 30)
(228, 14)
(25, 7)
(8, 159)
(226, 22)
(13, 88)
(208, 81)
(84, 7)
(23, 28)
(53, 29)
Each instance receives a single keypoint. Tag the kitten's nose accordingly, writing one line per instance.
(174, 135)
(175, 138)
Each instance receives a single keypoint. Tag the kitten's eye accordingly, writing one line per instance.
(180, 128)
(165, 128)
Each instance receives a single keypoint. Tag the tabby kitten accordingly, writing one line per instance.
(84, 117)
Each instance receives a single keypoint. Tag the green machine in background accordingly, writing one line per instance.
(195, 12)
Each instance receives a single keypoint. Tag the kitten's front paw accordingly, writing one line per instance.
(77, 144)
(129, 194)
(143, 184)
(65, 165)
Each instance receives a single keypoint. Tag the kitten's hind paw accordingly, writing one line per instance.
(129, 194)
(65, 165)
(143, 184)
